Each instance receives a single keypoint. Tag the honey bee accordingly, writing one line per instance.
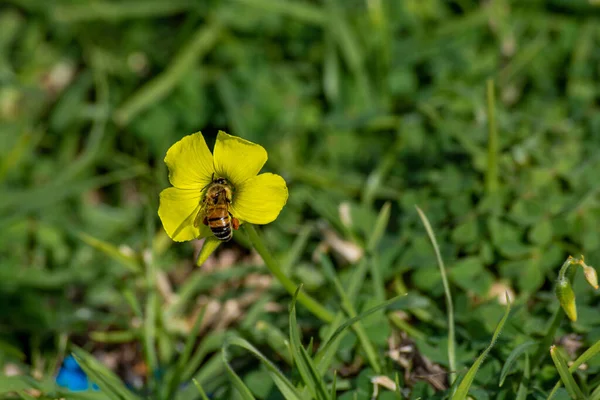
(215, 210)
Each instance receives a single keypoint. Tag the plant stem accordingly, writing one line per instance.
(313, 306)
(491, 174)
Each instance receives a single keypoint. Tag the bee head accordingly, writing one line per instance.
(221, 181)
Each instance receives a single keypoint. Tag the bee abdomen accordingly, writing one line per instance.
(223, 233)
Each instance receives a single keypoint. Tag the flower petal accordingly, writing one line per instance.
(177, 211)
(237, 159)
(260, 199)
(208, 247)
(190, 163)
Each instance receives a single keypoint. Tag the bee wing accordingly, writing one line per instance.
(200, 216)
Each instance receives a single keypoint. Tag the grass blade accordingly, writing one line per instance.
(200, 43)
(395, 303)
(199, 387)
(116, 11)
(176, 378)
(349, 308)
(512, 357)
(465, 384)
(287, 389)
(112, 251)
(300, 11)
(333, 395)
(589, 353)
(491, 173)
(237, 382)
(522, 392)
(305, 365)
(565, 375)
(107, 381)
(448, 294)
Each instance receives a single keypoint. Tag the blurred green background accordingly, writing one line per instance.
(358, 103)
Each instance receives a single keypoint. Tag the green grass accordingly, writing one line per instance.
(484, 115)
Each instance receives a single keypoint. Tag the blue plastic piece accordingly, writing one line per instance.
(72, 377)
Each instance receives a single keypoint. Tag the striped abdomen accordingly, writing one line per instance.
(219, 222)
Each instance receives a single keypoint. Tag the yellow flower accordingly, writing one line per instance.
(256, 199)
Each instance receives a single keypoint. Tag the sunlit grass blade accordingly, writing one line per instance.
(200, 390)
(447, 293)
(376, 179)
(333, 395)
(288, 390)
(198, 45)
(347, 305)
(376, 235)
(491, 173)
(107, 381)
(305, 365)
(112, 251)
(566, 377)
(512, 358)
(303, 12)
(463, 388)
(589, 353)
(114, 336)
(111, 11)
(379, 228)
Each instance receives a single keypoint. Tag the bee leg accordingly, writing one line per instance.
(205, 220)
(235, 223)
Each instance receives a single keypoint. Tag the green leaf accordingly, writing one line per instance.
(463, 388)
(512, 358)
(563, 370)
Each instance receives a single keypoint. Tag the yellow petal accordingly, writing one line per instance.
(177, 210)
(190, 163)
(260, 199)
(237, 159)
(209, 245)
